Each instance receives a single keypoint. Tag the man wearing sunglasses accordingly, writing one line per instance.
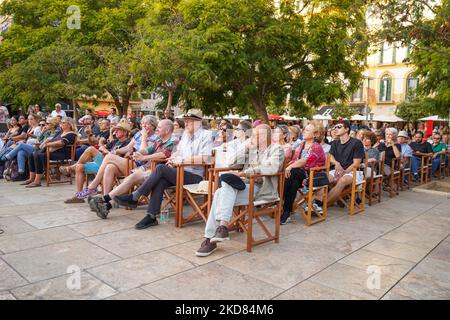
(438, 149)
(346, 154)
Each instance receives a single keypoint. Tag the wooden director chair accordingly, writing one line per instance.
(191, 193)
(442, 167)
(245, 216)
(312, 193)
(375, 179)
(394, 179)
(348, 195)
(425, 169)
(405, 173)
(55, 165)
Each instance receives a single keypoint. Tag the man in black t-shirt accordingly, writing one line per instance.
(91, 159)
(346, 154)
(420, 148)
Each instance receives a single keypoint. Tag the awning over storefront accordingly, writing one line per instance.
(387, 118)
(327, 111)
(433, 118)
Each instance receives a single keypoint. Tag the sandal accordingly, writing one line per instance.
(25, 183)
(33, 185)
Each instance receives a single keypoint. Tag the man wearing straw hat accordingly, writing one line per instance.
(195, 147)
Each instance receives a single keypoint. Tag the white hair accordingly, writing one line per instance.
(392, 130)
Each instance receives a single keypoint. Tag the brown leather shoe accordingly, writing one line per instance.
(74, 200)
(206, 248)
(220, 235)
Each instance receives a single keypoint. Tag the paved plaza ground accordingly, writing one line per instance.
(403, 242)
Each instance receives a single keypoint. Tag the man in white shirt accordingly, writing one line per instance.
(113, 117)
(58, 111)
(195, 147)
(4, 114)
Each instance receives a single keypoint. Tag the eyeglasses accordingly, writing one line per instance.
(42, 124)
(338, 126)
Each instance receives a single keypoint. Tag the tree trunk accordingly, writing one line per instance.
(125, 104)
(75, 113)
(118, 105)
(260, 107)
(169, 100)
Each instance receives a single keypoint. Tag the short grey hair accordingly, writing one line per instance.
(168, 123)
(392, 130)
(150, 119)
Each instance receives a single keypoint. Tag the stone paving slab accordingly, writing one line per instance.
(14, 225)
(134, 294)
(9, 278)
(287, 265)
(66, 288)
(407, 237)
(212, 281)
(59, 218)
(99, 227)
(187, 251)
(54, 260)
(308, 290)
(137, 271)
(397, 250)
(34, 239)
(353, 281)
(128, 243)
(6, 296)
(389, 266)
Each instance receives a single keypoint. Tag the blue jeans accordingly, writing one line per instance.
(415, 164)
(80, 150)
(22, 151)
(435, 164)
(225, 199)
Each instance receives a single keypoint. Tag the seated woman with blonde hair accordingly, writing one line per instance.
(309, 154)
(60, 146)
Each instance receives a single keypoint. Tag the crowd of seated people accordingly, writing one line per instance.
(126, 162)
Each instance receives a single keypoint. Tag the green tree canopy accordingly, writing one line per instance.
(424, 26)
(105, 36)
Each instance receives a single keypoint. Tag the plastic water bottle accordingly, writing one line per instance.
(162, 217)
(167, 216)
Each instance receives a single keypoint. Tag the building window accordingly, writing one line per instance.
(385, 88)
(358, 95)
(411, 87)
(387, 53)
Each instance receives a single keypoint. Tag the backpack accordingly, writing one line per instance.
(11, 170)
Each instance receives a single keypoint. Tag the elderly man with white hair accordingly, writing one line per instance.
(58, 111)
(392, 149)
(264, 157)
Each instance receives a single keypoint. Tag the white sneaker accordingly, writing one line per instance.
(318, 209)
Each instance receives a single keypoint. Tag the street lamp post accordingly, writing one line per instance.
(368, 98)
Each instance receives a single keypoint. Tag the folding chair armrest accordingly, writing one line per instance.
(259, 175)
(218, 170)
(318, 168)
(190, 164)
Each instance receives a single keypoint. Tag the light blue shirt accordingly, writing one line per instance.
(200, 144)
(406, 150)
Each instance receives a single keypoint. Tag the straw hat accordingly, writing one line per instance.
(124, 125)
(194, 114)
